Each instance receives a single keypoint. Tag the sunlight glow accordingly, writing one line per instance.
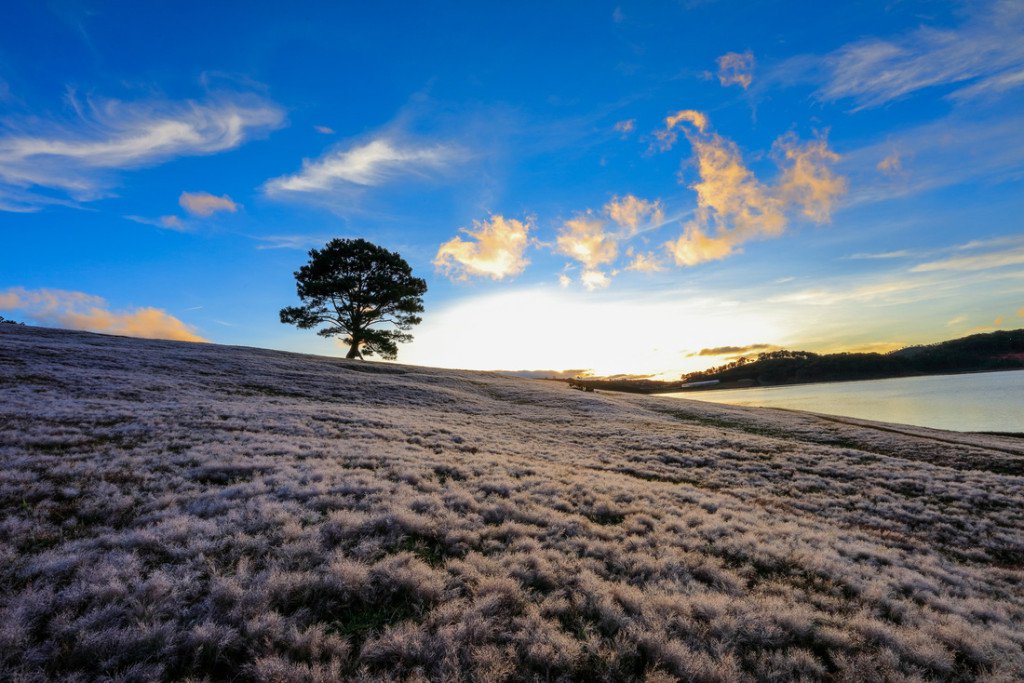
(556, 329)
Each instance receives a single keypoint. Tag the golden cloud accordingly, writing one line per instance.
(495, 249)
(587, 239)
(629, 211)
(81, 311)
(584, 238)
(736, 68)
(667, 137)
(625, 127)
(694, 246)
(644, 263)
(734, 206)
(206, 204)
(729, 194)
(807, 179)
(691, 116)
(172, 223)
(891, 164)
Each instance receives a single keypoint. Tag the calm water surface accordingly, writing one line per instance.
(989, 401)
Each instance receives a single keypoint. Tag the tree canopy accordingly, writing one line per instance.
(350, 287)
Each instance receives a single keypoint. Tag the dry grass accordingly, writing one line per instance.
(177, 511)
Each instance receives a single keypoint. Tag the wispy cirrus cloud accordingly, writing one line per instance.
(78, 158)
(376, 162)
(985, 261)
(302, 242)
(910, 286)
(81, 311)
(494, 248)
(881, 255)
(983, 254)
(205, 204)
(169, 222)
(984, 55)
(955, 149)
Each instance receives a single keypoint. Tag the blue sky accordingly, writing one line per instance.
(626, 188)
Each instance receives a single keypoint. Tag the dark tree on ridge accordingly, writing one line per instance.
(350, 286)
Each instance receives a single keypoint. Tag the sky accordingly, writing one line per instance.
(619, 188)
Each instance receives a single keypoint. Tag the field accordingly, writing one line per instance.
(192, 511)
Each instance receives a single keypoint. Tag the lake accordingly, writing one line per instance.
(988, 401)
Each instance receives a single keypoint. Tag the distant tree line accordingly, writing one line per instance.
(980, 352)
(6, 321)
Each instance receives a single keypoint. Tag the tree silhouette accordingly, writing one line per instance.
(351, 285)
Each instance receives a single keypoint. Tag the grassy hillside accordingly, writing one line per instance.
(172, 510)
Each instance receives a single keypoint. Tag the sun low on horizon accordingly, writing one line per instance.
(607, 188)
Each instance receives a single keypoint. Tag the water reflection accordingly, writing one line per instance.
(991, 401)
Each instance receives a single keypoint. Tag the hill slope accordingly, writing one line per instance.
(176, 510)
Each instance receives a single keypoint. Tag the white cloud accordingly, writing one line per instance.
(991, 87)
(206, 204)
(595, 279)
(372, 163)
(81, 311)
(986, 50)
(77, 157)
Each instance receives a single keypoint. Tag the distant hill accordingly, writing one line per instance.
(976, 353)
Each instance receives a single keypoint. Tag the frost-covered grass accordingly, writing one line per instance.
(175, 510)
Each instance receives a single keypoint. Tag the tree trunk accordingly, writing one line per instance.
(353, 350)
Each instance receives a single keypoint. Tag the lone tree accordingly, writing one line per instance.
(350, 286)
